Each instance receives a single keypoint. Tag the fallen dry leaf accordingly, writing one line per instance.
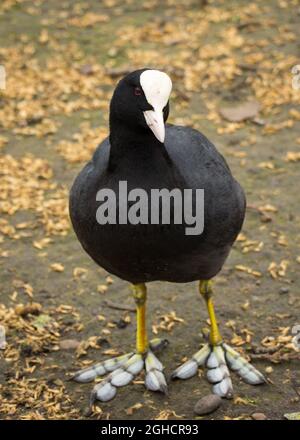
(57, 267)
(241, 112)
(292, 156)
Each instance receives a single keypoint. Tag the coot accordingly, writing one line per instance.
(158, 202)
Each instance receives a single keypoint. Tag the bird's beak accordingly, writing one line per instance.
(155, 121)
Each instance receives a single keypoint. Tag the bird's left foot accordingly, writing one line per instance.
(217, 359)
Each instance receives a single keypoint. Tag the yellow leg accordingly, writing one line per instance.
(217, 356)
(205, 289)
(140, 296)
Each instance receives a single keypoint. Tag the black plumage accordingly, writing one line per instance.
(187, 159)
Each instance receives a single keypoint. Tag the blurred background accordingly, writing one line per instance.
(235, 78)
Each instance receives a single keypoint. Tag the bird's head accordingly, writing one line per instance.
(141, 101)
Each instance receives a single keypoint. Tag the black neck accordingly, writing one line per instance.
(132, 147)
(132, 144)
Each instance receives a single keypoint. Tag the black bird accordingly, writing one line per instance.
(138, 208)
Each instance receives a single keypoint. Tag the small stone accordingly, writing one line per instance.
(259, 416)
(269, 370)
(69, 344)
(207, 404)
(284, 290)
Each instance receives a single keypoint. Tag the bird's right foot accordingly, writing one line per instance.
(122, 370)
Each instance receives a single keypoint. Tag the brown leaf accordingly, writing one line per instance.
(241, 112)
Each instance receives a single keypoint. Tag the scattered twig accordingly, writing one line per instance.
(276, 357)
(266, 350)
(118, 306)
(248, 24)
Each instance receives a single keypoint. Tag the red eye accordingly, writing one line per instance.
(137, 91)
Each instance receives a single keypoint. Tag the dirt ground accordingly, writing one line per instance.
(62, 61)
